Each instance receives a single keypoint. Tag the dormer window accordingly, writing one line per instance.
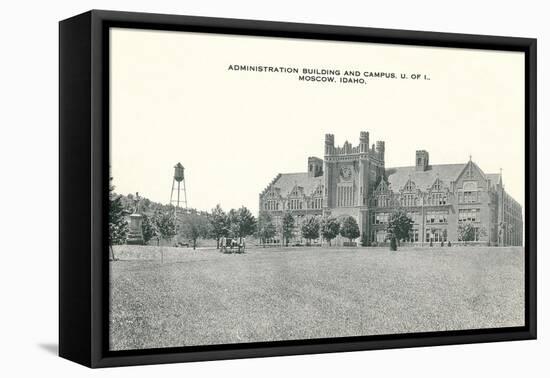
(410, 186)
(437, 186)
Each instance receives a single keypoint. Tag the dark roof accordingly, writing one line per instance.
(398, 177)
(287, 181)
(494, 178)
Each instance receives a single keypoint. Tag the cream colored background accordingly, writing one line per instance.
(30, 141)
(173, 99)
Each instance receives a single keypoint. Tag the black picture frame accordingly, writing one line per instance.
(84, 177)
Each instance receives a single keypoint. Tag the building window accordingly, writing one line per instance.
(383, 201)
(436, 235)
(381, 218)
(344, 195)
(317, 203)
(414, 235)
(410, 186)
(295, 204)
(476, 234)
(318, 191)
(468, 215)
(271, 205)
(469, 197)
(437, 199)
(408, 200)
(414, 216)
(381, 236)
(469, 193)
(436, 216)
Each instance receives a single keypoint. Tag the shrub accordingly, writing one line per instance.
(470, 232)
(288, 227)
(194, 226)
(400, 224)
(310, 229)
(350, 229)
(148, 229)
(266, 228)
(330, 228)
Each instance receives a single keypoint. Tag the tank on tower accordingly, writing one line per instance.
(178, 172)
(178, 190)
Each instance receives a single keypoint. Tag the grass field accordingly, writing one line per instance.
(205, 297)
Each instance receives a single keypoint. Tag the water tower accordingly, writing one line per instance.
(177, 198)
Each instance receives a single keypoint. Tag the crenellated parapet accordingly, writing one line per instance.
(329, 143)
(348, 151)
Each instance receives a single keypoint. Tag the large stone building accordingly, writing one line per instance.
(354, 181)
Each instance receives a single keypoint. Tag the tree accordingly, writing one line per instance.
(118, 227)
(310, 229)
(399, 226)
(467, 232)
(219, 222)
(288, 227)
(165, 224)
(149, 228)
(266, 228)
(195, 226)
(233, 229)
(349, 229)
(145, 204)
(242, 222)
(330, 227)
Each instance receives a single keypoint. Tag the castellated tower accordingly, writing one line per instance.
(350, 174)
(344, 182)
(364, 142)
(380, 149)
(329, 143)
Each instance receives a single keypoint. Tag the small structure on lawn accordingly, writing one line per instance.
(135, 234)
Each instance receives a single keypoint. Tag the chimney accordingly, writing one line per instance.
(314, 166)
(422, 160)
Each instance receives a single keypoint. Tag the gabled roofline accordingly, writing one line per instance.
(270, 184)
(466, 166)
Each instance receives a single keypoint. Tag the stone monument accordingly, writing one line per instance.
(135, 234)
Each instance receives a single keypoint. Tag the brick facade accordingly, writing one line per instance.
(353, 181)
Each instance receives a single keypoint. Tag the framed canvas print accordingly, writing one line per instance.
(234, 188)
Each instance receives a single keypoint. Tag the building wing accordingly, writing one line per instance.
(398, 177)
(286, 182)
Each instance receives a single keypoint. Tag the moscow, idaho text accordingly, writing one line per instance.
(330, 75)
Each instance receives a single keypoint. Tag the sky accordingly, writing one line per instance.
(173, 99)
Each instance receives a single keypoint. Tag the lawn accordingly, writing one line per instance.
(205, 297)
